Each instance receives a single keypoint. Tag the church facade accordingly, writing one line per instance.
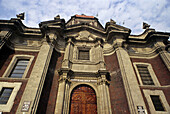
(80, 67)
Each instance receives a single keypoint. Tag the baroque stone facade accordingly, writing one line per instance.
(79, 67)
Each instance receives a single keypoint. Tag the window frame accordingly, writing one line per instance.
(16, 86)
(151, 72)
(84, 49)
(155, 103)
(148, 93)
(13, 63)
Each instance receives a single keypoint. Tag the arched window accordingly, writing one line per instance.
(83, 100)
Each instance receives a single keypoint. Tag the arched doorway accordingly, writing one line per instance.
(83, 100)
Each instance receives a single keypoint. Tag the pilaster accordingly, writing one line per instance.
(105, 105)
(68, 54)
(132, 89)
(100, 54)
(62, 102)
(35, 83)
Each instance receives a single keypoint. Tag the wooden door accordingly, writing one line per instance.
(83, 100)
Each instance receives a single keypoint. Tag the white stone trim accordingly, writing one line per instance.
(16, 86)
(147, 94)
(13, 62)
(151, 71)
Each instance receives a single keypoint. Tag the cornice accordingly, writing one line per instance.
(148, 35)
(22, 47)
(111, 31)
(19, 28)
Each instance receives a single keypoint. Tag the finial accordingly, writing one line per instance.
(57, 17)
(145, 25)
(21, 16)
(112, 21)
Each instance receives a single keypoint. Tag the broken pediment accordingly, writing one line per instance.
(113, 26)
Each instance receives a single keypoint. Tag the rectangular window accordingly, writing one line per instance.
(19, 68)
(157, 103)
(145, 75)
(83, 55)
(5, 94)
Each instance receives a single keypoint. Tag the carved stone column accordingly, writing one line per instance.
(105, 105)
(133, 93)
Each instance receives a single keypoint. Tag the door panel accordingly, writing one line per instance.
(83, 100)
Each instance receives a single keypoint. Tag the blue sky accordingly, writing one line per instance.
(128, 13)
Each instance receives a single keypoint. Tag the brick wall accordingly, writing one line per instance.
(5, 59)
(7, 55)
(159, 68)
(162, 73)
(50, 89)
(118, 99)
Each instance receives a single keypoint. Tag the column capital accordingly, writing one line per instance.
(65, 74)
(64, 79)
(102, 81)
(103, 78)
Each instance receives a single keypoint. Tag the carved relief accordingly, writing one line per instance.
(83, 100)
(85, 35)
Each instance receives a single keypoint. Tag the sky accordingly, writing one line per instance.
(127, 13)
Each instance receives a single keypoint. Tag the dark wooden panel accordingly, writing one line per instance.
(83, 100)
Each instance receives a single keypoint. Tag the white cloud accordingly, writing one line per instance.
(130, 12)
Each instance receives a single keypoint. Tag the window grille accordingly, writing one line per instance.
(83, 55)
(19, 68)
(5, 94)
(145, 75)
(157, 103)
